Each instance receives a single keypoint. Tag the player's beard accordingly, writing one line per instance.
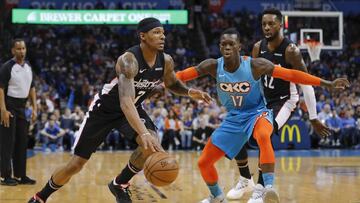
(274, 36)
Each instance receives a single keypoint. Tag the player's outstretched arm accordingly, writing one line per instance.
(126, 70)
(294, 57)
(261, 66)
(206, 67)
(177, 87)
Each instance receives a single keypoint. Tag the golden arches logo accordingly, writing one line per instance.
(293, 165)
(290, 130)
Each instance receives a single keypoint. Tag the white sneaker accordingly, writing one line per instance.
(243, 186)
(271, 196)
(217, 199)
(257, 195)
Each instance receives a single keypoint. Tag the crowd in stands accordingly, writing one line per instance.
(73, 62)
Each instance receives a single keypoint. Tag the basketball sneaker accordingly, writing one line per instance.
(243, 186)
(121, 192)
(271, 196)
(257, 195)
(25, 181)
(35, 199)
(8, 181)
(218, 199)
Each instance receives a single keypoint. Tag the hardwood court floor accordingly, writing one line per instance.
(298, 180)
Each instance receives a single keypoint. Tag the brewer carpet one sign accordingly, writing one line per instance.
(37, 16)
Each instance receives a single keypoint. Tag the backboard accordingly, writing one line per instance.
(324, 27)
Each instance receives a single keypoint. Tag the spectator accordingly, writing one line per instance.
(186, 132)
(325, 113)
(52, 136)
(67, 123)
(335, 125)
(159, 122)
(46, 105)
(172, 127)
(349, 132)
(201, 134)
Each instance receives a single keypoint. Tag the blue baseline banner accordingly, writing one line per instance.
(294, 134)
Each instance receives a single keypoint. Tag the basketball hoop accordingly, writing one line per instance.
(314, 49)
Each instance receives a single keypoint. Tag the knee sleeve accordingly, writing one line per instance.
(209, 156)
(262, 133)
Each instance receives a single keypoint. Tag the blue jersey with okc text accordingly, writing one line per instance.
(239, 90)
(243, 98)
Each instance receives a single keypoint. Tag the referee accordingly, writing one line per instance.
(16, 86)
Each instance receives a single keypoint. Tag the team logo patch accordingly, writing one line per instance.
(239, 87)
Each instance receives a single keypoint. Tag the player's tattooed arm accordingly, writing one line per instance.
(294, 58)
(126, 69)
(256, 49)
(170, 80)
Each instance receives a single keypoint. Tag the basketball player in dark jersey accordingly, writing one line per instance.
(282, 96)
(118, 105)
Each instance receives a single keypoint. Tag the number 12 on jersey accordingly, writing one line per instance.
(237, 100)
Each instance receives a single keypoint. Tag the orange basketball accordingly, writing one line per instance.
(161, 169)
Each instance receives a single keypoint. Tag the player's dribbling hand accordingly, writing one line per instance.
(147, 141)
(200, 95)
(340, 83)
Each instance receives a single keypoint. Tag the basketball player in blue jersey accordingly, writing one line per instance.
(281, 96)
(139, 70)
(239, 89)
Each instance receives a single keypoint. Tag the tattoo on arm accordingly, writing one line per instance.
(126, 68)
(170, 80)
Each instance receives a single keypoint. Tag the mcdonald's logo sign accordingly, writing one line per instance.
(293, 165)
(290, 130)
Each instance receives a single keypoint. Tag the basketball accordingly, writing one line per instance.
(161, 169)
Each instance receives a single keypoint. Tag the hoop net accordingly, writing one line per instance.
(314, 49)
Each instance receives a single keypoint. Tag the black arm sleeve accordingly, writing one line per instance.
(5, 74)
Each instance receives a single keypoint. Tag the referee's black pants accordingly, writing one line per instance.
(13, 140)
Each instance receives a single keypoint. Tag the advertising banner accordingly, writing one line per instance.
(37, 16)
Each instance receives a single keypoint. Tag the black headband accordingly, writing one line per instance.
(145, 27)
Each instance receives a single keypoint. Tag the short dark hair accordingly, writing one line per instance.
(231, 31)
(273, 11)
(14, 41)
